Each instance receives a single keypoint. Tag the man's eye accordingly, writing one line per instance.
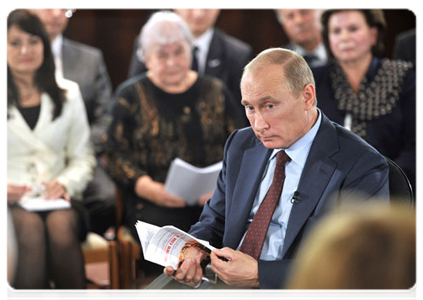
(269, 106)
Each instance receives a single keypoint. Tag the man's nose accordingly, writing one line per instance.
(260, 122)
(298, 19)
(198, 13)
(56, 12)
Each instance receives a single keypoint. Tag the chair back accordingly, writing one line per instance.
(400, 189)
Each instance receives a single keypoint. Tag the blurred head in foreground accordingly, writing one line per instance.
(369, 247)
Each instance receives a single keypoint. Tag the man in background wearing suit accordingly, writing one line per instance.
(218, 54)
(302, 26)
(405, 46)
(84, 65)
(323, 165)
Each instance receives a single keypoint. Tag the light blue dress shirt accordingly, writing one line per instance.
(298, 152)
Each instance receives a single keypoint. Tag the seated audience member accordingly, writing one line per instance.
(279, 177)
(369, 247)
(373, 97)
(48, 154)
(216, 53)
(168, 112)
(84, 65)
(302, 26)
(405, 46)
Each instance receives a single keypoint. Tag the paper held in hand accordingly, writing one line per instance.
(164, 245)
(189, 182)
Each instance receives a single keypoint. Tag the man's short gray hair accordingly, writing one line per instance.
(163, 27)
(296, 73)
(278, 13)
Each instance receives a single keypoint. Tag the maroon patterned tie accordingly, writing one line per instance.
(256, 233)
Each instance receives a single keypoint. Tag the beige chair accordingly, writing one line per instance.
(97, 250)
(130, 254)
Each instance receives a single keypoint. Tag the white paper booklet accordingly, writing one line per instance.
(41, 204)
(164, 245)
(189, 182)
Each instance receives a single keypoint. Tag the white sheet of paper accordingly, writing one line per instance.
(41, 204)
(189, 182)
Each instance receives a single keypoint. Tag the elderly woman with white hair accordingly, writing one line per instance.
(169, 111)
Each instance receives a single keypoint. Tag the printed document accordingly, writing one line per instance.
(165, 245)
(189, 182)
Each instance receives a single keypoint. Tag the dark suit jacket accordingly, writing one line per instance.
(405, 46)
(226, 59)
(85, 65)
(339, 165)
(315, 63)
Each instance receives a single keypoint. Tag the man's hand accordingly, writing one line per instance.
(155, 191)
(15, 192)
(240, 269)
(190, 271)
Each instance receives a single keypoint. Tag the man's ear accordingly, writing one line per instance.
(309, 95)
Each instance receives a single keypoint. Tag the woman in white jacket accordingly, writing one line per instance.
(48, 152)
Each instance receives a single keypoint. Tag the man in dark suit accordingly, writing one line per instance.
(218, 55)
(302, 26)
(84, 65)
(405, 46)
(326, 166)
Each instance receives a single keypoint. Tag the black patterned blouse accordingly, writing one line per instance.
(150, 127)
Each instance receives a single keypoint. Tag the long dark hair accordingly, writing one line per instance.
(44, 79)
(374, 19)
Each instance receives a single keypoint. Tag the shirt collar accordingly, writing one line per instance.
(319, 51)
(203, 42)
(56, 46)
(298, 151)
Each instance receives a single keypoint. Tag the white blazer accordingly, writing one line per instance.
(58, 149)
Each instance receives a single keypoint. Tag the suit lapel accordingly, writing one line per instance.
(28, 137)
(17, 124)
(315, 178)
(68, 58)
(252, 167)
(214, 62)
(46, 112)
